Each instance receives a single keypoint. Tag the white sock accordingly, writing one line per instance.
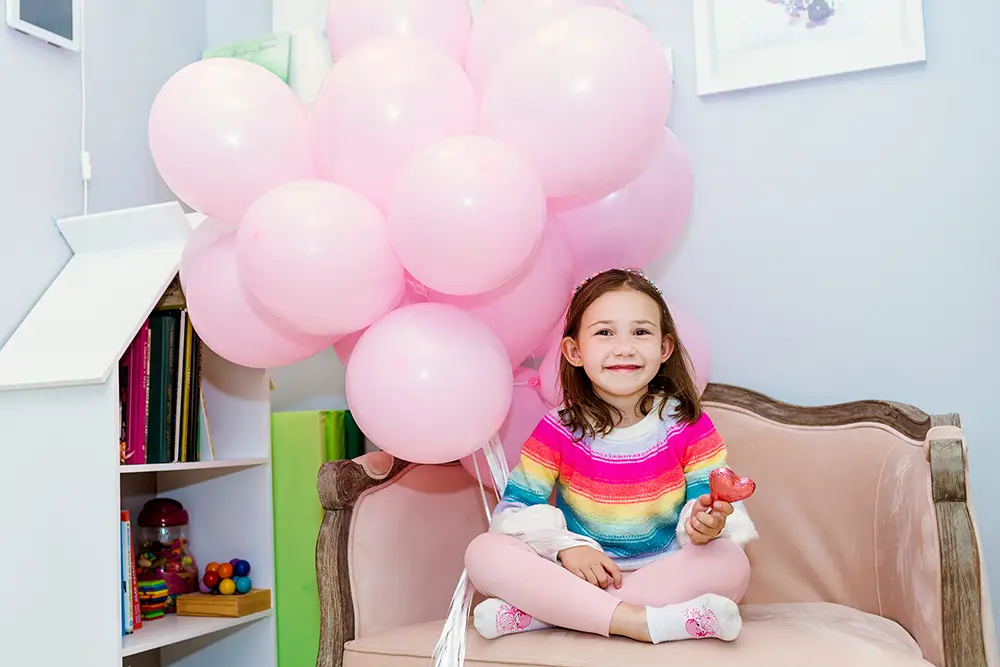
(707, 616)
(494, 618)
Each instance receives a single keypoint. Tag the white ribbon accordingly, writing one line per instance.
(450, 648)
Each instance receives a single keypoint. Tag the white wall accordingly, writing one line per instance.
(130, 49)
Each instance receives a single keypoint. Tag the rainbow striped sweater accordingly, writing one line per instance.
(625, 490)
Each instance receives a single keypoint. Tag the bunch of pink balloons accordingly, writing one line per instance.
(430, 212)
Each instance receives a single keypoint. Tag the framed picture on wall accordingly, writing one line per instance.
(57, 22)
(749, 43)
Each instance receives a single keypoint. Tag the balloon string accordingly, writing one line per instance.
(419, 288)
(482, 489)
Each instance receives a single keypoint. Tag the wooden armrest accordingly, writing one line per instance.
(961, 581)
(340, 484)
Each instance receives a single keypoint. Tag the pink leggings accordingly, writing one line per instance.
(501, 566)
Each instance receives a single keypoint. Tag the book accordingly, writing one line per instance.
(131, 614)
(128, 619)
(133, 374)
(161, 406)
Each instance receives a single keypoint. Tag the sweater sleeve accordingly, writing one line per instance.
(532, 480)
(705, 452)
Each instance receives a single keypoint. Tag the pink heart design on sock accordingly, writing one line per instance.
(511, 619)
(701, 623)
(694, 628)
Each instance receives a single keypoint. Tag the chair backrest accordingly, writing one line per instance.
(407, 543)
(830, 484)
(833, 484)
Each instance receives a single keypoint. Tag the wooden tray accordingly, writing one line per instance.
(228, 606)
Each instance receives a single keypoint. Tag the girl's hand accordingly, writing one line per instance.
(703, 527)
(591, 565)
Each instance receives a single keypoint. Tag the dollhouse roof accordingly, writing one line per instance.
(122, 263)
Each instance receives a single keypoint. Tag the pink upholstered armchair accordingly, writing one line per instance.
(867, 554)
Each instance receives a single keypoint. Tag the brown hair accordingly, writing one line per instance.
(584, 413)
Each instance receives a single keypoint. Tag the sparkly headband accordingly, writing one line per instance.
(635, 272)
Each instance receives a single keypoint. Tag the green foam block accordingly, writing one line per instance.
(300, 443)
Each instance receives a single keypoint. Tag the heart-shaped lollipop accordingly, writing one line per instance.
(727, 486)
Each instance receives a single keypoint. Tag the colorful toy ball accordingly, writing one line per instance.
(227, 578)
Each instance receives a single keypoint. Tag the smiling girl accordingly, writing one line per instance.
(633, 545)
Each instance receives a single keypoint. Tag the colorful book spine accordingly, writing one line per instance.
(128, 620)
(133, 573)
(139, 395)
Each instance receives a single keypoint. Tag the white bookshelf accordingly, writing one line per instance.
(193, 465)
(61, 483)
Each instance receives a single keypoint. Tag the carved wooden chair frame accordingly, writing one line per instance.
(341, 483)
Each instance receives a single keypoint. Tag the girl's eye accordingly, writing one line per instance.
(603, 332)
(641, 332)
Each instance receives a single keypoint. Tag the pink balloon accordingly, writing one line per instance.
(638, 223)
(466, 215)
(443, 23)
(429, 383)
(499, 26)
(223, 131)
(582, 98)
(521, 311)
(696, 343)
(526, 409)
(202, 237)
(380, 105)
(345, 345)
(549, 386)
(317, 256)
(230, 322)
(688, 330)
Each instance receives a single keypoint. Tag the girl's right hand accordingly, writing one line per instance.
(591, 565)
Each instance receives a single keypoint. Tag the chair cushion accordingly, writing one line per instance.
(776, 635)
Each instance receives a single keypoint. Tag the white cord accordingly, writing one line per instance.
(85, 167)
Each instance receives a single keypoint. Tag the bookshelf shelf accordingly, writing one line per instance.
(61, 402)
(174, 629)
(194, 465)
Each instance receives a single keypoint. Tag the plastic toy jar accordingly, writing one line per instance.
(162, 552)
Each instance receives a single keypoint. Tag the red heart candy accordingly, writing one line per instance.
(728, 486)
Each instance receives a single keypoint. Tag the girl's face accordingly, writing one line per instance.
(620, 345)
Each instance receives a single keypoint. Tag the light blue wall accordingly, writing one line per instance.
(131, 48)
(844, 239)
(39, 167)
(228, 21)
